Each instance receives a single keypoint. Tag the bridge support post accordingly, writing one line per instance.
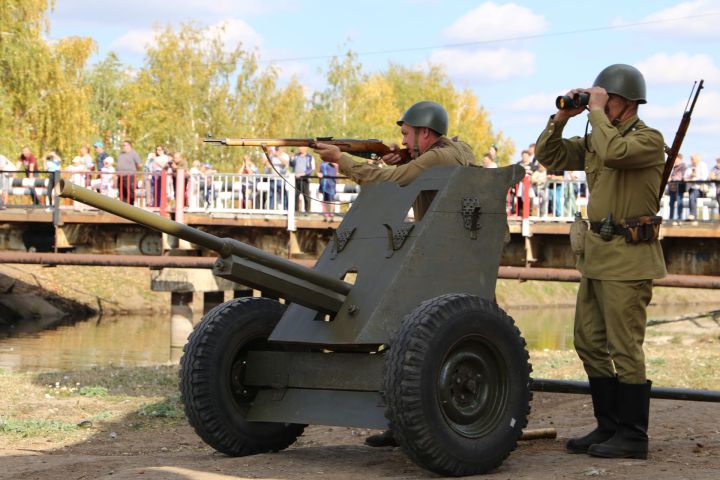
(212, 300)
(182, 283)
(180, 322)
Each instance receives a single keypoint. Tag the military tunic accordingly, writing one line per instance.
(624, 166)
(442, 152)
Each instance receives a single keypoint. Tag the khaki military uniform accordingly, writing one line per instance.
(624, 166)
(442, 152)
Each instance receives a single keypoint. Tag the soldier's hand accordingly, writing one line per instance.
(392, 158)
(563, 115)
(329, 153)
(598, 98)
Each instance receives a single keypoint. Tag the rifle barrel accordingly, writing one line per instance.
(679, 137)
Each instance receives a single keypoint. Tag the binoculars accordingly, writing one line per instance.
(566, 102)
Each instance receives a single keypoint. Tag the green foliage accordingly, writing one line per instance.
(33, 427)
(192, 84)
(95, 391)
(168, 408)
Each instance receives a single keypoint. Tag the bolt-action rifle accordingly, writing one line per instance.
(370, 148)
(673, 151)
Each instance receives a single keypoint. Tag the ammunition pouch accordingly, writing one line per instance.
(642, 229)
(635, 230)
(578, 231)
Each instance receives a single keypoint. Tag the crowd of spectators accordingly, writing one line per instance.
(551, 193)
(562, 193)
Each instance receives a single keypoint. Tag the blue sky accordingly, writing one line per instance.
(516, 56)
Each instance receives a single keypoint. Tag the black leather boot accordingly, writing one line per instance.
(630, 440)
(604, 398)
(384, 439)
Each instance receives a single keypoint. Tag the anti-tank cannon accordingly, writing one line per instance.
(416, 344)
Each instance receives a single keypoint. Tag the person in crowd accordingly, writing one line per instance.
(493, 152)
(695, 174)
(573, 183)
(100, 154)
(156, 162)
(277, 166)
(53, 165)
(328, 185)
(424, 128)
(520, 188)
(78, 176)
(7, 169)
(304, 166)
(128, 164)
(248, 170)
(107, 177)
(87, 160)
(676, 189)
(488, 161)
(556, 190)
(207, 189)
(539, 183)
(715, 177)
(179, 162)
(533, 161)
(624, 160)
(30, 165)
(193, 185)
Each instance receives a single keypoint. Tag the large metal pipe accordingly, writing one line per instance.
(162, 261)
(224, 246)
(92, 259)
(572, 386)
(571, 275)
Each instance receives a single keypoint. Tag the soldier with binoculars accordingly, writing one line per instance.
(618, 256)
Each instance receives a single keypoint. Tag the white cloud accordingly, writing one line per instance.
(129, 13)
(231, 31)
(536, 102)
(491, 21)
(703, 21)
(707, 106)
(133, 42)
(484, 65)
(663, 68)
(236, 31)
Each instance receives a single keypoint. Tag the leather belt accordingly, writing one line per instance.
(617, 229)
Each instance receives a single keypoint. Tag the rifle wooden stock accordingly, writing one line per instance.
(362, 148)
(679, 137)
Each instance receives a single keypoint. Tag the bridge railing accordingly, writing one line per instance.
(270, 194)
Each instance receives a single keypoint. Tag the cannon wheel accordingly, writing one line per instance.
(456, 385)
(211, 376)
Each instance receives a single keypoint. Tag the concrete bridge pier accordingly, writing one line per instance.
(182, 283)
(212, 300)
(181, 325)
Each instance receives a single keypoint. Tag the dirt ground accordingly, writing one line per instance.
(685, 444)
(126, 439)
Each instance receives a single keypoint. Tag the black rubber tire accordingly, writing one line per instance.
(215, 400)
(457, 385)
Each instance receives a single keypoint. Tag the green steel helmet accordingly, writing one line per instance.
(623, 80)
(426, 114)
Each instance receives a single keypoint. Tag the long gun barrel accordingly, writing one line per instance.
(368, 148)
(240, 262)
(674, 150)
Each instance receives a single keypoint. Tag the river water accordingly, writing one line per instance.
(131, 341)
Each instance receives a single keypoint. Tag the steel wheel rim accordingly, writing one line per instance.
(472, 386)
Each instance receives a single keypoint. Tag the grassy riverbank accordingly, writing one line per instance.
(53, 409)
(118, 290)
